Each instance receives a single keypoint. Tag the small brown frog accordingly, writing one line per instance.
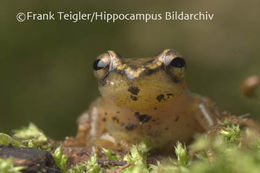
(143, 99)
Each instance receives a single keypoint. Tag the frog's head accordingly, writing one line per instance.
(140, 83)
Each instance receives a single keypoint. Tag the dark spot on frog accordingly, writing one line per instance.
(177, 118)
(167, 128)
(155, 108)
(134, 90)
(117, 112)
(153, 120)
(105, 113)
(130, 127)
(169, 95)
(104, 119)
(142, 118)
(115, 119)
(160, 97)
(133, 98)
(175, 80)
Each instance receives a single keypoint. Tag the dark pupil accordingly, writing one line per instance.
(178, 62)
(98, 64)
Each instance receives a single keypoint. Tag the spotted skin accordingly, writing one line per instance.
(144, 99)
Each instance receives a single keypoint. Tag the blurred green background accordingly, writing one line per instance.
(46, 66)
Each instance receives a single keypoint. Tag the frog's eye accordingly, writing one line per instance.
(170, 57)
(176, 68)
(174, 64)
(105, 63)
(178, 62)
(99, 64)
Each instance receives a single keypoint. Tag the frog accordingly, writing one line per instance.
(144, 99)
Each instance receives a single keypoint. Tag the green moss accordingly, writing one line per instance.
(6, 140)
(30, 132)
(110, 155)
(231, 133)
(137, 158)
(32, 137)
(7, 166)
(91, 166)
(230, 150)
(60, 158)
(181, 153)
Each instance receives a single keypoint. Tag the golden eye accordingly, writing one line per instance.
(104, 64)
(175, 65)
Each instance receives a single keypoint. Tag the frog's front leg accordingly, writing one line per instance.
(92, 128)
(83, 129)
(206, 112)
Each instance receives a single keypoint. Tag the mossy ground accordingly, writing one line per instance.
(230, 149)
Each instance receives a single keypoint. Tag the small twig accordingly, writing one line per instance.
(111, 162)
(244, 115)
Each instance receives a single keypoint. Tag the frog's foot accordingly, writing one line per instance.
(72, 142)
(109, 142)
(82, 134)
(80, 139)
